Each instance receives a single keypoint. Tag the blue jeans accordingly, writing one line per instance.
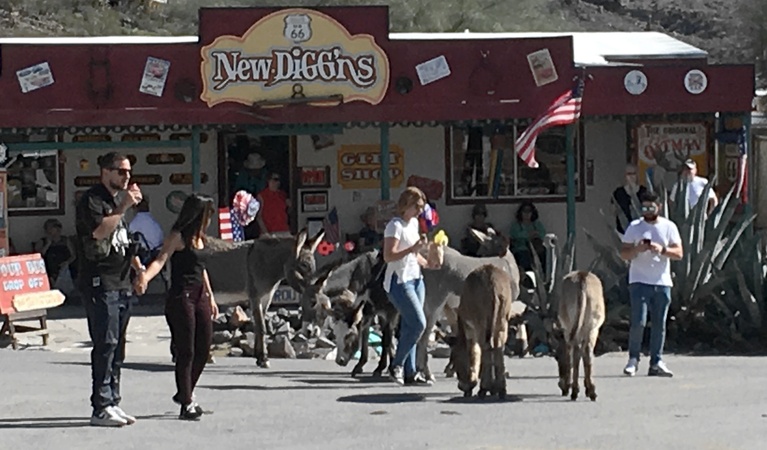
(408, 298)
(108, 315)
(657, 299)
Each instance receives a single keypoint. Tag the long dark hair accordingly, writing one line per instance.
(529, 205)
(194, 217)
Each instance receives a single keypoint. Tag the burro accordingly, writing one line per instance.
(298, 64)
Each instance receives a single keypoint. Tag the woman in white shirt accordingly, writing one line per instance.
(404, 283)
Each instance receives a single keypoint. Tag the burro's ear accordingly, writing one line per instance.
(300, 241)
(316, 241)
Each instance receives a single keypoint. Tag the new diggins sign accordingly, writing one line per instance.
(293, 47)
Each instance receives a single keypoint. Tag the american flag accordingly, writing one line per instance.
(225, 224)
(331, 227)
(742, 180)
(565, 110)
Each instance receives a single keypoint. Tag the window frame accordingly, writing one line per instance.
(580, 155)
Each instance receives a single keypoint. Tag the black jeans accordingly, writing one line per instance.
(108, 315)
(191, 330)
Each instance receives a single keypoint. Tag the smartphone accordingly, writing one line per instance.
(646, 241)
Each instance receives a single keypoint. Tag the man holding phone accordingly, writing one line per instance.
(107, 258)
(650, 243)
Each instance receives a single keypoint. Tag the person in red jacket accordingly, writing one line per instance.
(273, 215)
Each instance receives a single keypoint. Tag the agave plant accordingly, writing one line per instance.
(540, 315)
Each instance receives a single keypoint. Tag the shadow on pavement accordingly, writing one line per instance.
(510, 398)
(44, 423)
(384, 398)
(142, 366)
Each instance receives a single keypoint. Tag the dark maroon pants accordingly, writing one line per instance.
(191, 330)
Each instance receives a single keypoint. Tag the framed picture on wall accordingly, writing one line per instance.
(35, 183)
(314, 177)
(314, 201)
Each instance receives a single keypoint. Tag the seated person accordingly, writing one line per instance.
(369, 238)
(57, 250)
(525, 231)
(469, 244)
(151, 232)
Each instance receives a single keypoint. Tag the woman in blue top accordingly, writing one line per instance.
(525, 231)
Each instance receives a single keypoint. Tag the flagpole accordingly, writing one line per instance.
(385, 182)
(570, 182)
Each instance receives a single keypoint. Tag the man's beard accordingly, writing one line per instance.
(116, 186)
(650, 218)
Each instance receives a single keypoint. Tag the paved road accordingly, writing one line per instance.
(713, 403)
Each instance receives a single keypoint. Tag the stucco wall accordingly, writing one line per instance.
(424, 151)
(26, 229)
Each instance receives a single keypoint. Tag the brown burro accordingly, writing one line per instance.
(483, 326)
(581, 314)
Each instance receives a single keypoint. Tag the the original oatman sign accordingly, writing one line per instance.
(293, 50)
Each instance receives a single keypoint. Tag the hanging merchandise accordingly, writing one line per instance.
(429, 218)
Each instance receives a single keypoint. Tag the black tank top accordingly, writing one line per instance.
(186, 268)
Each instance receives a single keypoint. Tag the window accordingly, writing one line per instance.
(34, 183)
(473, 173)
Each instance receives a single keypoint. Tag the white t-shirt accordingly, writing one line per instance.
(649, 267)
(694, 190)
(407, 268)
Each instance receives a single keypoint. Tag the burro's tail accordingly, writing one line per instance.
(499, 321)
(582, 299)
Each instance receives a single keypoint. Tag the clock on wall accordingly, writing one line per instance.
(635, 82)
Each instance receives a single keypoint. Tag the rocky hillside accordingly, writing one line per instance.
(718, 26)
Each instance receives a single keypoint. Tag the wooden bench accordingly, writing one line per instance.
(12, 329)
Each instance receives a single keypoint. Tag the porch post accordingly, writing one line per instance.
(750, 159)
(385, 161)
(570, 182)
(196, 179)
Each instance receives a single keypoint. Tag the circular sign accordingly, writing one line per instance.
(174, 201)
(635, 82)
(695, 81)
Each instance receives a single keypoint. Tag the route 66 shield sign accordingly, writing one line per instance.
(298, 28)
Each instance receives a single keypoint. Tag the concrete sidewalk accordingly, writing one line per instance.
(148, 334)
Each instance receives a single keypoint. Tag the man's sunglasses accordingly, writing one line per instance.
(122, 172)
(649, 208)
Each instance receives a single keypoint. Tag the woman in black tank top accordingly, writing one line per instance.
(190, 305)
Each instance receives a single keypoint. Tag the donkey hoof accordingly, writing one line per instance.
(466, 394)
(593, 396)
(482, 393)
(356, 371)
(574, 396)
(378, 373)
(263, 364)
(502, 394)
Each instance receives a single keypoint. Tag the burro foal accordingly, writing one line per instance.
(581, 313)
(483, 326)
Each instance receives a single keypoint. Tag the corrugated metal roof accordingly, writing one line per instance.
(99, 40)
(591, 48)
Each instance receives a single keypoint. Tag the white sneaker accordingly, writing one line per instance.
(631, 367)
(128, 418)
(660, 370)
(107, 417)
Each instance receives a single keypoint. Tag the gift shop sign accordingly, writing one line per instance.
(359, 166)
(293, 47)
